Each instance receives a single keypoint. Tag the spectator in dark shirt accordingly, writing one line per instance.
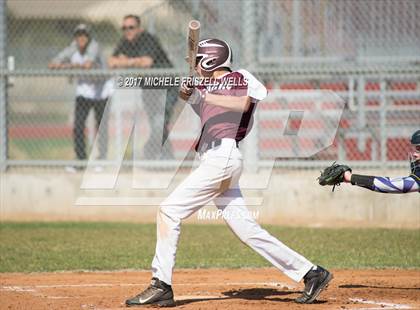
(140, 49)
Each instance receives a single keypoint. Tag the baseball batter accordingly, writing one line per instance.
(336, 174)
(225, 107)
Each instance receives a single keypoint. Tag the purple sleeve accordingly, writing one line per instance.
(395, 185)
(387, 185)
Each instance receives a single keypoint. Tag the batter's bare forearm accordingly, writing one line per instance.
(233, 103)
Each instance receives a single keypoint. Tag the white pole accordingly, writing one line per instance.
(296, 28)
(3, 89)
(383, 132)
(361, 114)
(251, 153)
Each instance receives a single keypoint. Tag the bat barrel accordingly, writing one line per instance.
(194, 24)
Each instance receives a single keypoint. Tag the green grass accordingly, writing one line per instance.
(28, 247)
(51, 148)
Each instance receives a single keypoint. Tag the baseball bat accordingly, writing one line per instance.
(193, 38)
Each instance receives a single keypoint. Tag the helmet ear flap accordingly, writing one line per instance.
(197, 60)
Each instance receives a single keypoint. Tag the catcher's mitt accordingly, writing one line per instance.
(333, 175)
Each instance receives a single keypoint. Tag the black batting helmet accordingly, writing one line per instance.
(414, 159)
(213, 54)
(415, 138)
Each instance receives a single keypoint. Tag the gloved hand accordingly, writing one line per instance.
(333, 175)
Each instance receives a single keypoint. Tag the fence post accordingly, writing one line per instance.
(296, 19)
(361, 114)
(3, 88)
(383, 133)
(249, 58)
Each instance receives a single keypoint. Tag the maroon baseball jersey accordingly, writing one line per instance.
(218, 122)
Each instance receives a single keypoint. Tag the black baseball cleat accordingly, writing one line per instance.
(157, 294)
(315, 281)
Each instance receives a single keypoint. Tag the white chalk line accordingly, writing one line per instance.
(59, 297)
(381, 308)
(17, 289)
(28, 288)
(32, 291)
(382, 305)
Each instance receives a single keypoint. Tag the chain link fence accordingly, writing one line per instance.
(366, 52)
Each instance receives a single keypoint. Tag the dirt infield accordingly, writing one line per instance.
(211, 289)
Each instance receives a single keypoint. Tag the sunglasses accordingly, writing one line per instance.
(125, 28)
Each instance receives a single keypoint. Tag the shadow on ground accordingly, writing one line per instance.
(267, 294)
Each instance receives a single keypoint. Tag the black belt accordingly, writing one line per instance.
(212, 144)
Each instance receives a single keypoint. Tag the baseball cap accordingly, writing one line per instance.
(81, 29)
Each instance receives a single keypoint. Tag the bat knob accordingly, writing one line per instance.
(194, 24)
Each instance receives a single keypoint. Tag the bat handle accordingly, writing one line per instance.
(192, 72)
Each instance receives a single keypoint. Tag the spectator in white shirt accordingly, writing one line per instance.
(84, 53)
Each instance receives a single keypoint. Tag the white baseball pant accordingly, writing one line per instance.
(216, 179)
